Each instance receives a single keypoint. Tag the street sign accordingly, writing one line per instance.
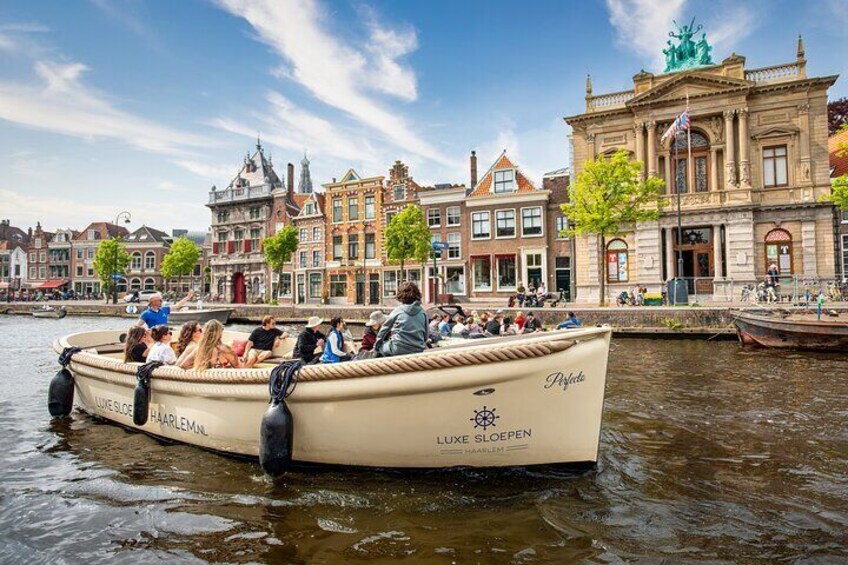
(439, 245)
(117, 277)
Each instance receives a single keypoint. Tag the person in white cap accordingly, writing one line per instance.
(156, 314)
(309, 340)
(372, 326)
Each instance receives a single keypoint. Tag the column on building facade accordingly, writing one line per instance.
(804, 145)
(652, 148)
(669, 181)
(744, 157)
(714, 169)
(590, 145)
(639, 133)
(669, 253)
(649, 254)
(717, 269)
(741, 247)
(730, 151)
(808, 248)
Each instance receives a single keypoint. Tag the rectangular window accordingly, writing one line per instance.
(390, 283)
(316, 258)
(42, 272)
(455, 280)
(774, 166)
(91, 253)
(91, 272)
(79, 253)
(302, 261)
(304, 234)
(254, 238)
(337, 209)
(370, 210)
(286, 285)
(454, 217)
(32, 257)
(454, 245)
(480, 226)
(389, 216)
(482, 267)
(238, 237)
(398, 192)
(79, 270)
(504, 181)
(370, 246)
(92, 234)
(316, 234)
(845, 255)
(531, 221)
(315, 285)
(617, 267)
(353, 246)
(561, 227)
(352, 208)
(149, 261)
(337, 248)
(434, 217)
(507, 272)
(32, 272)
(505, 223)
(338, 286)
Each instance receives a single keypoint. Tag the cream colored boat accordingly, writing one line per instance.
(526, 400)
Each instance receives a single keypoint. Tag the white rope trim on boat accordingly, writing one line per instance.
(429, 361)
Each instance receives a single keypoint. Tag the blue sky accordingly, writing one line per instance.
(144, 104)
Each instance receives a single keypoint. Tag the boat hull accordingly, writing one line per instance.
(519, 412)
(779, 333)
(54, 314)
(202, 316)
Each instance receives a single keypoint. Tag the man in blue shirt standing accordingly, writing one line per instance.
(571, 322)
(157, 314)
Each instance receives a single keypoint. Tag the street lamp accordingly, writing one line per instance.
(127, 218)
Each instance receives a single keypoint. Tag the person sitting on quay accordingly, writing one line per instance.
(519, 321)
(571, 322)
(156, 314)
(405, 330)
(162, 350)
(262, 341)
(508, 328)
(334, 351)
(473, 330)
(190, 335)
(211, 351)
(532, 324)
(372, 326)
(459, 327)
(445, 326)
(493, 326)
(137, 344)
(308, 341)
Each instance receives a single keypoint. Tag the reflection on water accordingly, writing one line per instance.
(709, 452)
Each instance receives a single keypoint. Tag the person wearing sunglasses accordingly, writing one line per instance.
(190, 335)
(161, 349)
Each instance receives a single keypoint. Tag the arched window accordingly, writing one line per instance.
(149, 261)
(618, 265)
(135, 284)
(149, 283)
(779, 251)
(135, 261)
(699, 169)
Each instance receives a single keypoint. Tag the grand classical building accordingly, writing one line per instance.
(750, 192)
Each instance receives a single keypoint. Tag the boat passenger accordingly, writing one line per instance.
(459, 327)
(137, 344)
(571, 322)
(445, 326)
(211, 351)
(262, 341)
(334, 351)
(162, 350)
(309, 340)
(190, 335)
(156, 314)
(532, 324)
(519, 321)
(434, 324)
(508, 328)
(405, 331)
(372, 326)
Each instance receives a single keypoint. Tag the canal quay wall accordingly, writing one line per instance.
(677, 322)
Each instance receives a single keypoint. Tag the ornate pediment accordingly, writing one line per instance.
(694, 84)
(776, 131)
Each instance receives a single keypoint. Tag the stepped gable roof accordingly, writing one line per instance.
(105, 230)
(147, 234)
(838, 158)
(484, 185)
(255, 170)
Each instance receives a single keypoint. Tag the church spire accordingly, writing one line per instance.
(800, 52)
(305, 184)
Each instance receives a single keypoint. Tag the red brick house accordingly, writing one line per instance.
(560, 246)
(85, 246)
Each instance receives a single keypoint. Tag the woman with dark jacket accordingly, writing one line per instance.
(372, 326)
(405, 330)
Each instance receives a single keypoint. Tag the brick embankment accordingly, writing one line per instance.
(678, 322)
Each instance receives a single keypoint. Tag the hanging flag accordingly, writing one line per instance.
(681, 123)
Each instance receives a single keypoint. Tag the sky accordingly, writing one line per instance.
(143, 105)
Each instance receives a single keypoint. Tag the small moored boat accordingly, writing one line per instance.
(50, 312)
(793, 331)
(182, 316)
(523, 400)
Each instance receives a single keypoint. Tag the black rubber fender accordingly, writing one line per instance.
(141, 395)
(276, 439)
(60, 393)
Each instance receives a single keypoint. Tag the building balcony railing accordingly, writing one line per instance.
(777, 73)
(237, 194)
(608, 101)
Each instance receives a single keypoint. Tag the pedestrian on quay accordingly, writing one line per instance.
(571, 322)
(532, 324)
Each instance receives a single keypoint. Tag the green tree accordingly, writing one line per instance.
(278, 250)
(111, 258)
(180, 259)
(608, 196)
(838, 193)
(407, 237)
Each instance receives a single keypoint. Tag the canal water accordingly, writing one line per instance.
(709, 453)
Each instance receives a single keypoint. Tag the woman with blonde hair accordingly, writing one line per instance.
(211, 351)
(190, 335)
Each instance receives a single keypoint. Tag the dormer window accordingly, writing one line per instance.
(92, 234)
(504, 181)
(308, 208)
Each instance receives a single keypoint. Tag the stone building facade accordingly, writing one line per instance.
(444, 209)
(750, 194)
(84, 247)
(560, 245)
(146, 247)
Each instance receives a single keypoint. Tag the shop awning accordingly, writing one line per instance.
(53, 283)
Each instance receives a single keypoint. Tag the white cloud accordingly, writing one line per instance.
(214, 173)
(63, 103)
(643, 25)
(337, 73)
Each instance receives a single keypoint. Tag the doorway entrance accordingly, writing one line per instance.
(238, 288)
(696, 250)
(374, 288)
(563, 276)
(360, 289)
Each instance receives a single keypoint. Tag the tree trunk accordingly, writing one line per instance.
(603, 297)
(401, 270)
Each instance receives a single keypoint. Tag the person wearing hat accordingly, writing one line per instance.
(372, 326)
(309, 340)
(156, 314)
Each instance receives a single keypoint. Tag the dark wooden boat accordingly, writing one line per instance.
(793, 331)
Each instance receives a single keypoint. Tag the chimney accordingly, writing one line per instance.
(473, 169)
(290, 181)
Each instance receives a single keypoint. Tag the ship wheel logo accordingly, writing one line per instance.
(484, 418)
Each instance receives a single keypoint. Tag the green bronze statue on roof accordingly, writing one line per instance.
(687, 54)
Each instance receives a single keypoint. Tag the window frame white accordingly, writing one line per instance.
(474, 285)
(488, 221)
(456, 245)
(431, 217)
(457, 216)
(514, 227)
(541, 222)
(511, 183)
